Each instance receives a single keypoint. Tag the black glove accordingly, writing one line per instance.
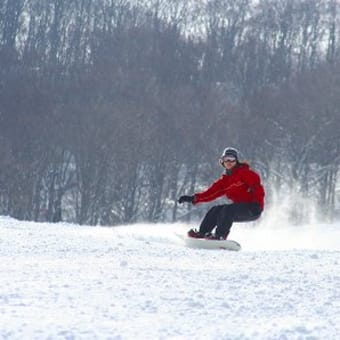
(186, 198)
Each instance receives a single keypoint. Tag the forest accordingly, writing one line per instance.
(109, 110)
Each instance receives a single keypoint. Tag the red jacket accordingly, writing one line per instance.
(242, 185)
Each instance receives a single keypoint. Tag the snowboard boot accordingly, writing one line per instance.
(215, 237)
(195, 233)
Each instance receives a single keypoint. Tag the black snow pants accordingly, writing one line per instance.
(223, 216)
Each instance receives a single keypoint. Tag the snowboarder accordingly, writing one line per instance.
(241, 185)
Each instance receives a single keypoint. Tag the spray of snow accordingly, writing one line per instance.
(277, 229)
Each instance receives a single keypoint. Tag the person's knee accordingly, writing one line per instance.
(214, 210)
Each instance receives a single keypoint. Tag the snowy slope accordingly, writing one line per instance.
(140, 282)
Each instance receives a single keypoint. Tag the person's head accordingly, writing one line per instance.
(229, 158)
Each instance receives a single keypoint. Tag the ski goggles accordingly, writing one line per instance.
(230, 159)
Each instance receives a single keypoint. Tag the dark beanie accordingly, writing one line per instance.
(232, 152)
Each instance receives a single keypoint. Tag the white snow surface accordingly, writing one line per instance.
(62, 281)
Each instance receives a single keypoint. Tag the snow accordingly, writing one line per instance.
(62, 281)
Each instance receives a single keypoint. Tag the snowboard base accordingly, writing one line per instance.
(203, 243)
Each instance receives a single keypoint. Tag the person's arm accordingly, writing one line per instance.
(214, 191)
(253, 181)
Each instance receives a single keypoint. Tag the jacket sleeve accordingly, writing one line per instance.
(253, 181)
(213, 192)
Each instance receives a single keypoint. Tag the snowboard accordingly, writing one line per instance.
(203, 243)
